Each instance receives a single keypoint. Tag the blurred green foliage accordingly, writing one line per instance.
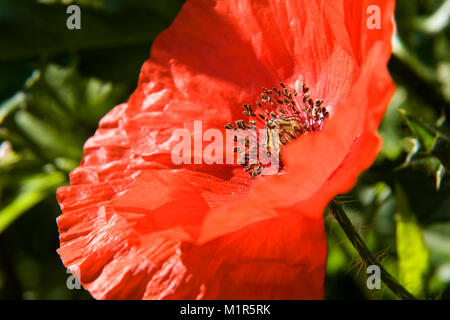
(56, 84)
(401, 205)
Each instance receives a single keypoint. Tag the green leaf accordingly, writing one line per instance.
(412, 146)
(66, 99)
(440, 172)
(425, 133)
(434, 140)
(413, 254)
(7, 156)
(12, 104)
(436, 22)
(34, 190)
(47, 137)
(441, 150)
(390, 127)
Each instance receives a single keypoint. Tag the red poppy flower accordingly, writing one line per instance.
(137, 226)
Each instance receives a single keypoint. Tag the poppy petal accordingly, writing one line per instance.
(138, 226)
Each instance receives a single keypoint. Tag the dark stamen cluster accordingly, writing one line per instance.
(284, 115)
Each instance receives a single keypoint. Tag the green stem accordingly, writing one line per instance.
(364, 252)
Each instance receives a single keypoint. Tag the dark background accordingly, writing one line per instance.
(55, 84)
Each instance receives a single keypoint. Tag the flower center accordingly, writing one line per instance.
(283, 116)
